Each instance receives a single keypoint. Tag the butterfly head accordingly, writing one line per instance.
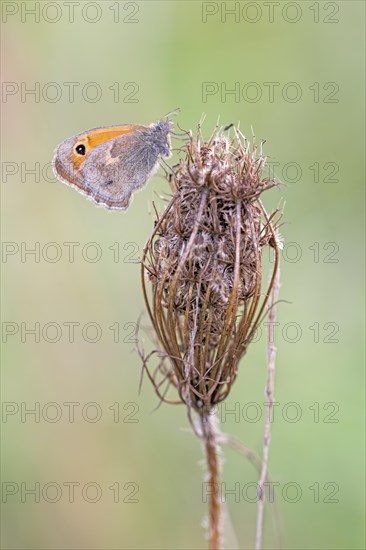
(161, 131)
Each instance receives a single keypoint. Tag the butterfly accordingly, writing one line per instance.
(107, 164)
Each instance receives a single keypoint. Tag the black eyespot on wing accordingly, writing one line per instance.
(80, 149)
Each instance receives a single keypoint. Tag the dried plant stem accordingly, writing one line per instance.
(236, 444)
(210, 436)
(269, 394)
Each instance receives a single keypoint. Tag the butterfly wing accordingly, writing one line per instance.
(115, 169)
(69, 164)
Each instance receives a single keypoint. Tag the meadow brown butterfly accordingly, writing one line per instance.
(108, 164)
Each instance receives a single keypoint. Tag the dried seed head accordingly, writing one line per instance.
(204, 264)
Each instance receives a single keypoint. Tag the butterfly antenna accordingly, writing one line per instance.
(172, 113)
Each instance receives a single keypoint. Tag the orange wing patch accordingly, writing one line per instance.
(101, 135)
(95, 137)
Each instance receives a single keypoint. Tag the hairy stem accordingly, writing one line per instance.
(269, 394)
(210, 437)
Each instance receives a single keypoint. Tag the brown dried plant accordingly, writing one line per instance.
(202, 279)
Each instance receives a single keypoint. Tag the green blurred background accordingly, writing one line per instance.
(161, 54)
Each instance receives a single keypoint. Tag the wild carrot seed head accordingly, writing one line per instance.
(204, 265)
